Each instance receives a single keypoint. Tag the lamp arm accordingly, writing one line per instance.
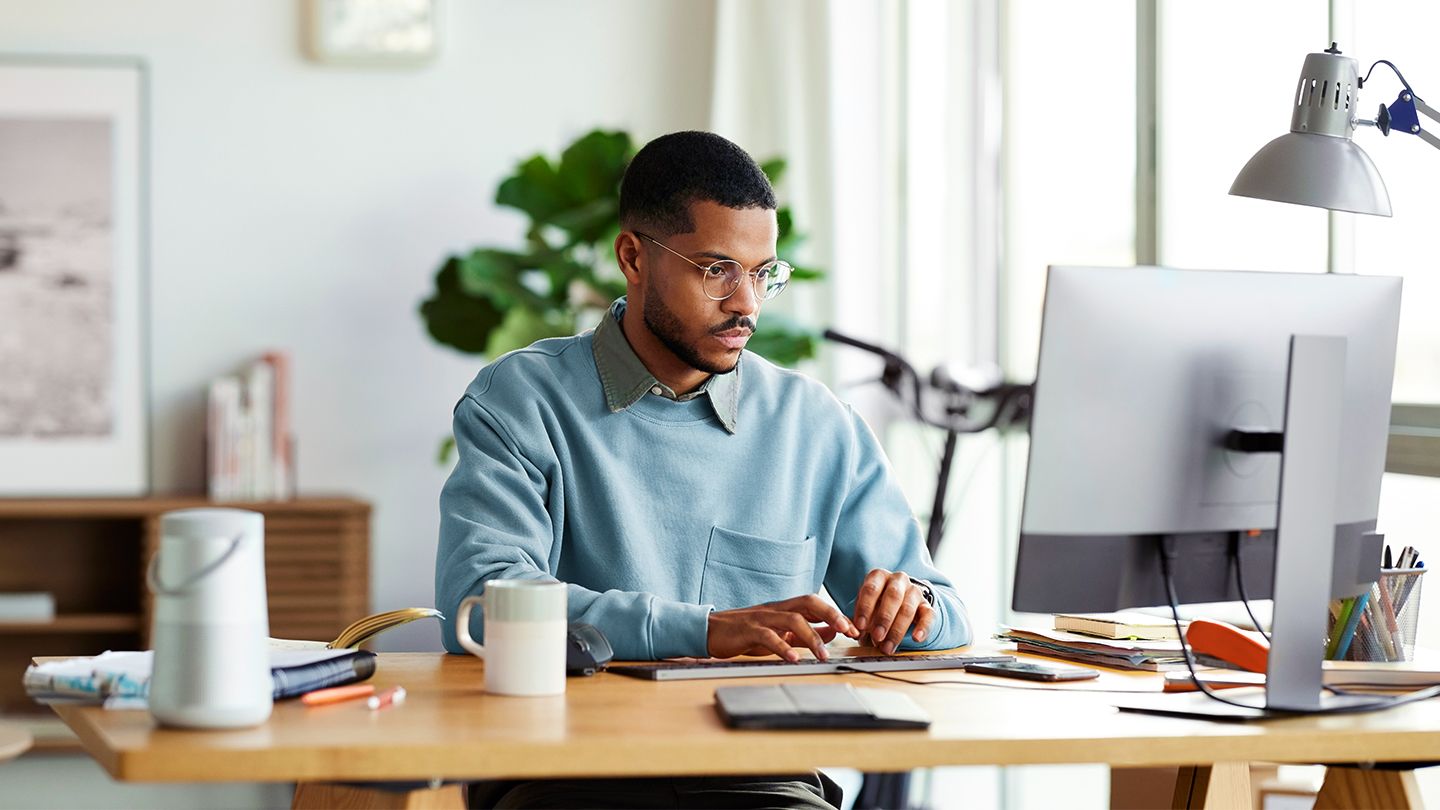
(1404, 114)
(1425, 134)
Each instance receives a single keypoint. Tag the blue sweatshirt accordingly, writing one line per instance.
(656, 510)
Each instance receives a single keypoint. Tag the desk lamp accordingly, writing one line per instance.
(1317, 163)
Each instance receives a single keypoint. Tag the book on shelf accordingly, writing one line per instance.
(27, 606)
(1117, 625)
(360, 631)
(248, 440)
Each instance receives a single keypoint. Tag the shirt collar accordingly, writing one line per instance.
(626, 379)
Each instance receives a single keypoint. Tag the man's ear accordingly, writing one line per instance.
(629, 253)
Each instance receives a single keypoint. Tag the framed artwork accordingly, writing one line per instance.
(73, 252)
(375, 33)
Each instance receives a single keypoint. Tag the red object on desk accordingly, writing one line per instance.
(1228, 643)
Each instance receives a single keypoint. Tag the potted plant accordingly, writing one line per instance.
(492, 300)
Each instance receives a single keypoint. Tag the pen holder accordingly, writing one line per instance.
(1378, 625)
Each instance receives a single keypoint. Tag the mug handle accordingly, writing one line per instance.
(462, 625)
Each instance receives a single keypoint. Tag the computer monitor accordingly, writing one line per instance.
(1147, 378)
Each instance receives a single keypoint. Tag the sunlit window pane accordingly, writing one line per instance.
(1403, 33)
(1227, 77)
(1069, 151)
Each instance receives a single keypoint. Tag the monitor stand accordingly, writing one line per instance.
(1304, 548)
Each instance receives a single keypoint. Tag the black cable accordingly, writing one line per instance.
(1166, 552)
(1044, 687)
(1240, 581)
(1387, 63)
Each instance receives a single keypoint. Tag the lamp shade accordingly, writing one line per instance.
(1317, 163)
(1325, 171)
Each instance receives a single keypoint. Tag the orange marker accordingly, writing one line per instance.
(336, 694)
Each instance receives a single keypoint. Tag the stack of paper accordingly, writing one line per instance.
(1154, 656)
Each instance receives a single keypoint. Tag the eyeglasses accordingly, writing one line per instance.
(721, 279)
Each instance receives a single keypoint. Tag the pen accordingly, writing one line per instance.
(1357, 608)
(393, 696)
(336, 694)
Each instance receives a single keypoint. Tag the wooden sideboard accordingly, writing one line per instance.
(92, 553)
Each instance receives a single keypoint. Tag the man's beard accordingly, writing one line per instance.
(663, 324)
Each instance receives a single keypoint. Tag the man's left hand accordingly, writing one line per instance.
(888, 604)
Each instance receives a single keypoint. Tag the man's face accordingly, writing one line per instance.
(707, 335)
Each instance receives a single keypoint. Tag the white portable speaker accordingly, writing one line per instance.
(211, 621)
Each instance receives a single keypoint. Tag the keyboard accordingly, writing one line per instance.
(697, 670)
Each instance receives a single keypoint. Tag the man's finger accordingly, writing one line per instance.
(924, 619)
(815, 609)
(903, 619)
(802, 634)
(869, 593)
(771, 640)
(896, 586)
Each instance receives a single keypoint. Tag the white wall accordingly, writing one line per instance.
(306, 207)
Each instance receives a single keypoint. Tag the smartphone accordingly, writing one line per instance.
(1033, 672)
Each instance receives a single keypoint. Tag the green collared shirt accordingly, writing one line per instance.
(626, 379)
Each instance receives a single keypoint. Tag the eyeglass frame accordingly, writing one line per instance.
(754, 275)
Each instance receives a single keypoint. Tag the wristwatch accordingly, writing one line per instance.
(926, 590)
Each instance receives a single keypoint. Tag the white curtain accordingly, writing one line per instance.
(806, 80)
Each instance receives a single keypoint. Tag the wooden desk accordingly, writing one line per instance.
(608, 725)
(14, 741)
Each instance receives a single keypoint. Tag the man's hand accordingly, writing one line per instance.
(778, 627)
(887, 605)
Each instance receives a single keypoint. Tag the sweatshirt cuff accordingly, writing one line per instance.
(679, 629)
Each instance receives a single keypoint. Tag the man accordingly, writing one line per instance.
(694, 496)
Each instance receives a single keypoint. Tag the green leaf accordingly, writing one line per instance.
(454, 318)
(774, 168)
(561, 272)
(782, 341)
(521, 327)
(534, 188)
(588, 221)
(591, 167)
(495, 274)
(806, 274)
(447, 449)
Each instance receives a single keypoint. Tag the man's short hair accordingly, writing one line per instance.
(681, 168)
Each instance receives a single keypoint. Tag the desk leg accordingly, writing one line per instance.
(328, 796)
(1363, 789)
(1213, 787)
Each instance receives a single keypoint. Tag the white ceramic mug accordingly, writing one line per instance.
(525, 624)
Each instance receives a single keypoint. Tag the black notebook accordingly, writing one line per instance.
(817, 706)
(333, 670)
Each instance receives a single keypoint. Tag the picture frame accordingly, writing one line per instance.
(74, 250)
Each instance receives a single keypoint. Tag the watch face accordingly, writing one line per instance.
(373, 30)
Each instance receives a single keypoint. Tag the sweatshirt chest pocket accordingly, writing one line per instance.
(742, 570)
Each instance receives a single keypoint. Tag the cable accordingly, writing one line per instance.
(1166, 553)
(1045, 688)
(1387, 63)
(1240, 581)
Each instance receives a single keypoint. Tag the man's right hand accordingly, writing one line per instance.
(779, 628)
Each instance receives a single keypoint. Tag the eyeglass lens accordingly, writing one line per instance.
(722, 278)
